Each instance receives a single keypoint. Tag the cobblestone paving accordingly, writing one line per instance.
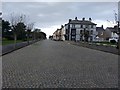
(51, 64)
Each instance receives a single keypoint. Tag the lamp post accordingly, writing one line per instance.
(118, 24)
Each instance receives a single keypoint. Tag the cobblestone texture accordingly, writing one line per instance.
(51, 64)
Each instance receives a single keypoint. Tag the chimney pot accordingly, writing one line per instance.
(83, 19)
(102, 26)
(90, 19)
(75, 18)
(62, 26)
(70, 20)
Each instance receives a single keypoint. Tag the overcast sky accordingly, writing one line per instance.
(50, 15)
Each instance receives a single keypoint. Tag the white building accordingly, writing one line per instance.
(79, 30)
(62, 33)
(57, 35)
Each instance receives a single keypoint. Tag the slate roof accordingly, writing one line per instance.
(85, 22)
(111, 29)
(99, 29)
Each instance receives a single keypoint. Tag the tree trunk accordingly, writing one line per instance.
(28, 37)
(15, 39)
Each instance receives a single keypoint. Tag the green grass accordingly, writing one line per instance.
(7, 42)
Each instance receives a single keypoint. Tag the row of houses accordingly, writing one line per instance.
(83, 30)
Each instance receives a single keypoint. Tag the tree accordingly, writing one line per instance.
(21, 34)
(42, 35)
(6, 33)
(51, 37)
(38, 34)
(28, 30)
(14, 20)
(86, 36)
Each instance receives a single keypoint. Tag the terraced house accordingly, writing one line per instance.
(80, 30)
(57, 35)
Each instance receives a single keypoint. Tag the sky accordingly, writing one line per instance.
(48, 16)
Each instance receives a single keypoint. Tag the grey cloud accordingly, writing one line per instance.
(46, 14)
(60, 0)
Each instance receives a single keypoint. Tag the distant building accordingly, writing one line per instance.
(57, 35)
(62, 33)
(77, 29)
(100, 33)
(110, 32)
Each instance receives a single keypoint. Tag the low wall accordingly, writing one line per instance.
(12, 47)
(109, 49)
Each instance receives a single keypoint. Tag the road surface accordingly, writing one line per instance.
(57, 64)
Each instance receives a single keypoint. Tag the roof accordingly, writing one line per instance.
(111, 29)
(83, 22)
(99, 29)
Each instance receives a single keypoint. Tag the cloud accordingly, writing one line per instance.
(47, 15)
(59, 0)
(50, 30)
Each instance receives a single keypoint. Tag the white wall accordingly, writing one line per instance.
(78, 28)
(77, 31)
(77, 37)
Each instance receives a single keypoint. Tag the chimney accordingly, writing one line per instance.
(70, 20)
(83, 19)
(90, 19)
(62, 26)
(102, 26)
(75, 18)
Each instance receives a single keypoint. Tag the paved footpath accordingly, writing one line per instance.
(52, 64)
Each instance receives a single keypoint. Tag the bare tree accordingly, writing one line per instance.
(14, 20)
(29, 29)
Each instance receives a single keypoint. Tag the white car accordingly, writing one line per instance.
(113, 39)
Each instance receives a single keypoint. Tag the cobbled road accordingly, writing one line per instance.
(57, 64)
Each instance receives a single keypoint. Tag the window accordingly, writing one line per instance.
(77, 26)
(91, 31)
(81, 26)
(73, 36)
(91, 26)
(73, 31)
(80, 31)
(73, 26)
(86, 26)
(84, 30)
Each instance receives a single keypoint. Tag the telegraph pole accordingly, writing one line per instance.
(119, 37)
(119, 26)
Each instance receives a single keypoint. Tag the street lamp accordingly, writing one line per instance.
(118, 28)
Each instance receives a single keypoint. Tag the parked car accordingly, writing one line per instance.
(113, 40)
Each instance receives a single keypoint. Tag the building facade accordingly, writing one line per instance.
(100, 35)
(80, 30)
(62, 33)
